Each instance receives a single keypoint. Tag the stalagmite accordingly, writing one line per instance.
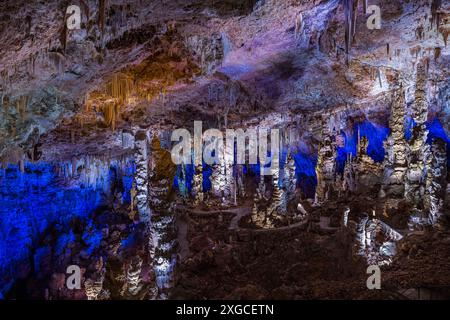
(230, 183)
(396, 147)
(325, 168)
(141, 159)
(92, 289)
(376, 241)
(345, 217)
(218, 177)
(418, 149)
(240, 180)
(435, 186)
(94, 285)
(349, 179)
(198, 185)
(290, 179)
(182, 183)
(134, 279)
(162, 172)
(278, 205)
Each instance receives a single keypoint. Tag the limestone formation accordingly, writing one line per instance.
(396, 147)
(290, 179)
(376, 241)
(198, 185)
(141, 158)
(134, 281)
(325, 168)
(418, 150)
(435, 185)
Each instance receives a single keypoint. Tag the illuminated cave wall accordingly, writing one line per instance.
(38, 207)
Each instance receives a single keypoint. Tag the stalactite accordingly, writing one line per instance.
(87, 104)
(298, 24)
(102, 9)
(120, 87)
(437, 53)
(350, 12)
(110, 114)
(379, 77)
(64, 32)
(22, 105)
(58, 60)
(85, 7)
(435, 14)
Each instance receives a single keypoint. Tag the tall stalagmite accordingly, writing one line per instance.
(418, 149)
(436, 182)
(326, 167)
(396, 147)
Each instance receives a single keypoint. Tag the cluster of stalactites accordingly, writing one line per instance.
(119, 88)
(91, 171)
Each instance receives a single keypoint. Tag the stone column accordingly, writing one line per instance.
(396, 147)
(141, 159)
(436, 182)
(419, 150)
